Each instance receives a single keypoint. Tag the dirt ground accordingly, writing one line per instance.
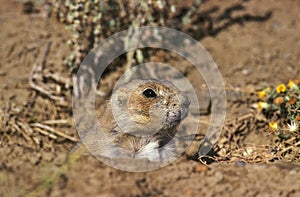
(248, 53)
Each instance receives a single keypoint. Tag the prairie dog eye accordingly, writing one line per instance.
(149, 93)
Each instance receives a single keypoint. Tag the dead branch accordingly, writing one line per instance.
(37, 74)
(47, 50)
(40, 89)
(54, 131)
(289, 148)
(59, 79)
(46, 133)
(62, 121)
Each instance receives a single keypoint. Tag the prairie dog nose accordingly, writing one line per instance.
(184, 100)
(180, 101)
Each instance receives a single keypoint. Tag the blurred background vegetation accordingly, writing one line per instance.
(89, 22)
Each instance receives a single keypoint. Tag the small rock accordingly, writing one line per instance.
(233, 95)
(200, 168)
(35, 158)
(290, 68)
(192, 150)
(250, 88)
(276, 25)
(48, 156)
(240, 163)
(29, 7)
(245, 71)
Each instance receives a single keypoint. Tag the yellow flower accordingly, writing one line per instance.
(267, 89)
(261, 94)
(292, 85)
(280, 88)
(273, 126)
(262, 105)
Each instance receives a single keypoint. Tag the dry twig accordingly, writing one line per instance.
(61, 122)
(40, 89)
(37, 74)
(54, 131)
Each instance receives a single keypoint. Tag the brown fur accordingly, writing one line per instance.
(142, 111)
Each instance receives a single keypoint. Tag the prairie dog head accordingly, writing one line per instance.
(145, 107)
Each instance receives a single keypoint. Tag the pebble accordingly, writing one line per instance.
(200, 168)
(48, 156)
(240, 163)
(276, 25)
(245, 71)
(233, 95)
(35, 158)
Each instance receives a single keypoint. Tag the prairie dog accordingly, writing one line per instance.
(142, 117)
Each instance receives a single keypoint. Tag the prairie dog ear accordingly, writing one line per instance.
(120, 98)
